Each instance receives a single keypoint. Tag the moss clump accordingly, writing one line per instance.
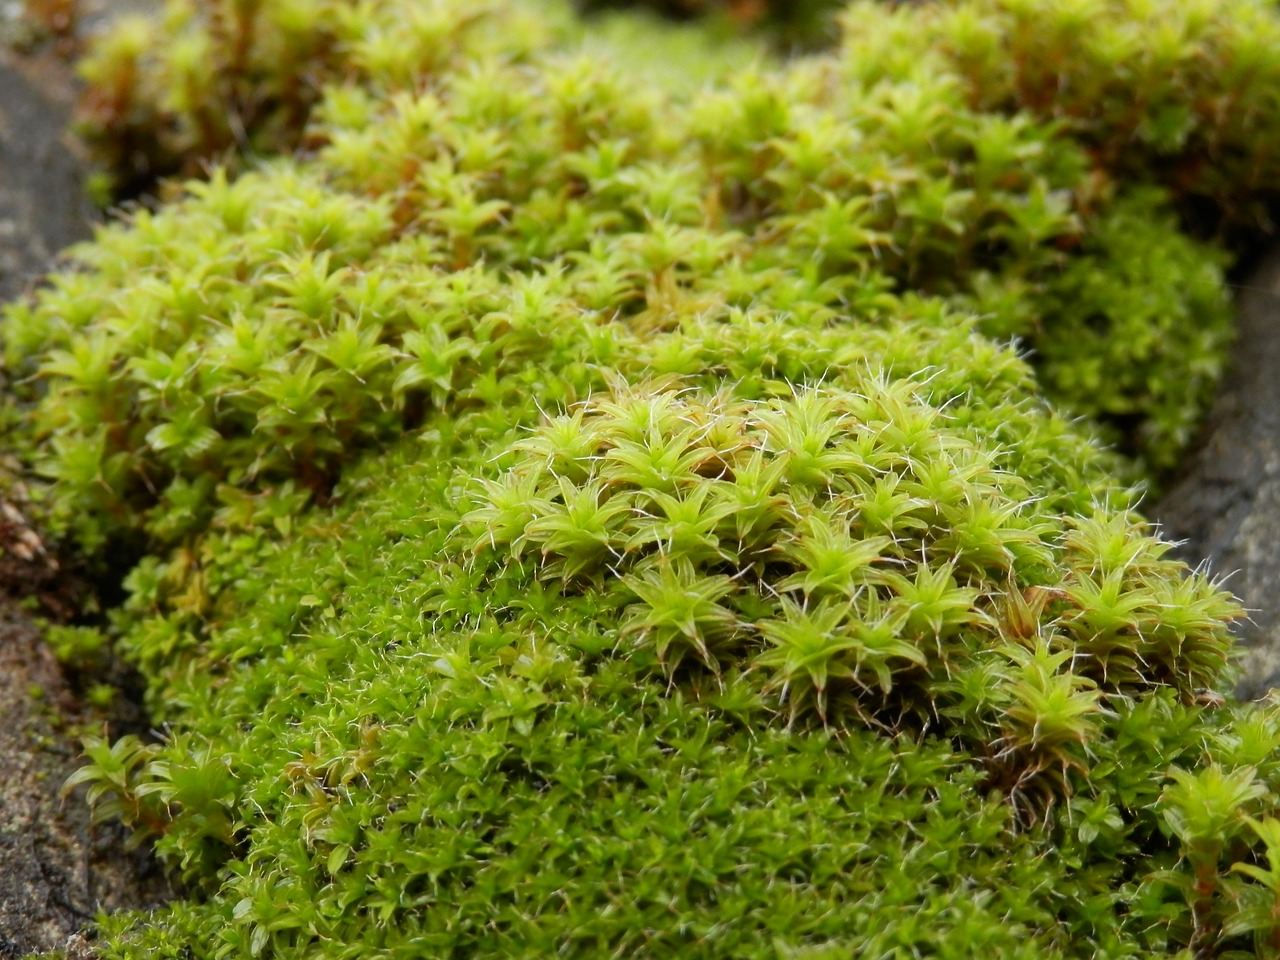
(592, 516)
(1173, 93)
(281, 341)
(1126, 305)
(209, 80)
(1170, 93)
(601, 686)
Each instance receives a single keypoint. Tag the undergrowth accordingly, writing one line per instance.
(595, 514)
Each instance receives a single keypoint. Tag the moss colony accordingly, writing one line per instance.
(589, 516)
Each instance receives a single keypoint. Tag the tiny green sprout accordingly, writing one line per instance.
(808, 435)
(565, 445)
(683, 526)
(831, 559)
(77, 647)
(664, 462)
(1261, 919)
(203, 787)
(933, 603)
(293, 408)
(808, 653)
(840, 232)
(1051, 707)
(431, 360)
(507, 508)
(114, 775)
(1205, 811)
(886, 506)
(355, 348)
(754, 494)
(102, 696)
(188, 433)
(835, 642)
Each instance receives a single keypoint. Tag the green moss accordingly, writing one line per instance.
(1132, 331)
(788, 24)
(909, 150)
(1174, 93)
(247, 349)
(588, 515)
(169, 94)
(401, 744)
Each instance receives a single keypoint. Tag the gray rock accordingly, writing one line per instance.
(42, 202)
(57, 870)
(1225, 506)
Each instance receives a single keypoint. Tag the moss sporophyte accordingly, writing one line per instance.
(595, 515)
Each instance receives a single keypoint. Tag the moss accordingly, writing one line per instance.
(788, 24)
(975, 187)
(589, 515)
(249, 353)
(408, 731)
(1131, 331)
(1173, 93)
(166, 94)
(1167, 92)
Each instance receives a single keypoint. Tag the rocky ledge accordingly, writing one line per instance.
(1225, 506)
(56, 868)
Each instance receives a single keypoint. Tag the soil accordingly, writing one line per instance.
(59, 869)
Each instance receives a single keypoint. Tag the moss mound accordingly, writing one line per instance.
(409, 733)
(587, 515)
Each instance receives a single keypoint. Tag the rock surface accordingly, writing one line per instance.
(42, 204)
(1226, 505)
(56, 869)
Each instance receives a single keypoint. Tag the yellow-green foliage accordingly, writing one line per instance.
(586, 516)
(961, 191)
(787, 23)
(1170, 92)
(813, 190)
(206, 80)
